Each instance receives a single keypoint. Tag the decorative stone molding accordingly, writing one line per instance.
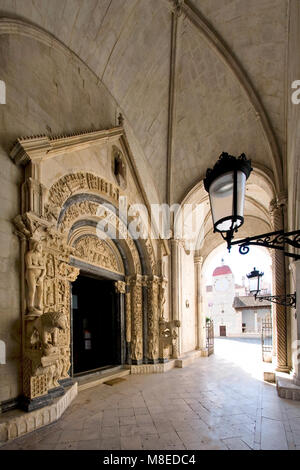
(152, 368)
(80, 182)
(38, 148)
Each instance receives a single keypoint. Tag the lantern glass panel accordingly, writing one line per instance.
(221, 194)
(253, 284)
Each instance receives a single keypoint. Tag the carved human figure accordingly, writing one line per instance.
(35, 272)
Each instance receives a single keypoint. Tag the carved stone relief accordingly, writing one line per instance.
(119, 167)
(120, 287)
(47, 273)
(80, 182)
(35, 273)
(96, 251)
(136, 318)
(153, 318)
(168, 337)
(47, 280)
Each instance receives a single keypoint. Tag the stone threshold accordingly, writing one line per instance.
(182, 361)
(92, 380)
(190, 357)
(152, 368)
(17, 423)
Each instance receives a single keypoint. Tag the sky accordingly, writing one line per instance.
(239, 264)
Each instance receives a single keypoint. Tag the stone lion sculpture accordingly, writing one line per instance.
(44, 332)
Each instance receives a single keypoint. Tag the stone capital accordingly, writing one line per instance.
(120, 287)
(198, 260)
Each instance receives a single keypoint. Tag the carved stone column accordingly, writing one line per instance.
(152, 320)
(279, 288)
(128, 324)
(200, 317)
(45, 310)
(136, 284)
(120, 289)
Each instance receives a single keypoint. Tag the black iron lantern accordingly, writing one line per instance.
(226, 185)
(254, 281)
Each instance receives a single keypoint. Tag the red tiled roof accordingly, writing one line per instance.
(221, 270)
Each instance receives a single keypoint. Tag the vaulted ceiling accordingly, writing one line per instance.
(190, 82)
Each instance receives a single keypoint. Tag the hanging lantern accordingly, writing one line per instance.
(254, 281)
(226, 185)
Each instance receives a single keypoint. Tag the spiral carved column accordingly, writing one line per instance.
(279, 282)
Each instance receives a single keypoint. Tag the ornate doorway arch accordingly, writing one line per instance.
(59, 231)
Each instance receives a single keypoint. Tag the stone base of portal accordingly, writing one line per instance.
(17, 423)
(286, 388)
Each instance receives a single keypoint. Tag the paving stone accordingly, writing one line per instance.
(211, 404)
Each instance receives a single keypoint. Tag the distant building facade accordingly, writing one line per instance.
(233, 311)
(253, 313)
(220, 296)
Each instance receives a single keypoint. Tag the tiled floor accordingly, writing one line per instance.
(218, 402)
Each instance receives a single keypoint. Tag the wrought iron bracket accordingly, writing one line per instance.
(288, 300)
(276, 240)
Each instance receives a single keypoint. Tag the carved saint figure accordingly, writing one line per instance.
(35, 272)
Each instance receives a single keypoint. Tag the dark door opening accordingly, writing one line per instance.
(96, 325)
(222, 330)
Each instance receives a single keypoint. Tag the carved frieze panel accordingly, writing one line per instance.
(76, 210)
(80, 182)
(91, 209)
(96, 251)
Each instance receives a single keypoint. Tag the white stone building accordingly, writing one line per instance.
(219, 300)
(253, 312)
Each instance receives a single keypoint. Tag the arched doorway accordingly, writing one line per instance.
(263, 213)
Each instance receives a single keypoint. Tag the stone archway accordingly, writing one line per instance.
(264, 211)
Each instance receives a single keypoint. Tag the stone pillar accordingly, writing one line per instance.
(128, 324)
(120, 289)
(45, 311)
(295, 267)
(279, 288)
(136, 284)
(200, 315)
(176, 285)
(153, 320)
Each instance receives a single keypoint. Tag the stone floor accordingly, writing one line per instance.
(218, 402)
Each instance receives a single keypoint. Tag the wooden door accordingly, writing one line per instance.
(222, 330)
